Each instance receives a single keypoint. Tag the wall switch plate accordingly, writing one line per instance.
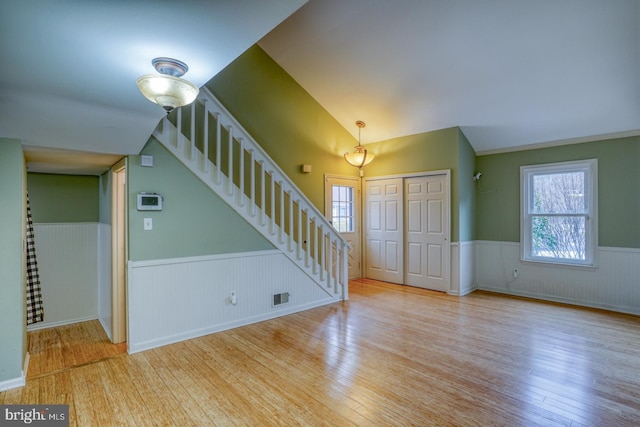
(148, 224)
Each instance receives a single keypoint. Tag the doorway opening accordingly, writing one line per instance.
(342, 209)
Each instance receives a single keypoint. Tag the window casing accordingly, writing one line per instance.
(559, 212)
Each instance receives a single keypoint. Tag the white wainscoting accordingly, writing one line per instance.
(463, 268)
(68, 267)
(104, 277)
(177, 299)
(613, 285)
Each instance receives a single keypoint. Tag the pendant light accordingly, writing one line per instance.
(167, 89)
(361, 157)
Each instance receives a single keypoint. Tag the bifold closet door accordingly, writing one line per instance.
(384, 237)
(426, 224)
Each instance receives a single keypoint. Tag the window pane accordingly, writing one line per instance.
(559, 237)
(559, 193)
(342, 208)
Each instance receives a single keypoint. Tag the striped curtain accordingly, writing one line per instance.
(35, 308)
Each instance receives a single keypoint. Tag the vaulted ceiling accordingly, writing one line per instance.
(510, 73)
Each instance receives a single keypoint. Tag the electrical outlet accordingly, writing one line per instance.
(233, 298)
(515, 273)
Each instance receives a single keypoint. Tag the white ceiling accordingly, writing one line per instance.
(510, 73)
(69, 68)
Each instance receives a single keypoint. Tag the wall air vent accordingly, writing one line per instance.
(279, 299)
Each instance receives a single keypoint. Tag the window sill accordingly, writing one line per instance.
(552, 263)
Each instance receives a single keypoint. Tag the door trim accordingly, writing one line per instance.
(359, 216)
(118, 257)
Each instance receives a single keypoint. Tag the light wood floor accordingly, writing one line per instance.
(391, 355)
(56, 349)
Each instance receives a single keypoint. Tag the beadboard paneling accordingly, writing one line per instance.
(68, 266)
(177, 299)
(463, 268)
(612, 285)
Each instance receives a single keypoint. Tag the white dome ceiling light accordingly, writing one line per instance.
(167, 89)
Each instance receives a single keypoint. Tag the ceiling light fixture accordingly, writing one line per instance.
(361, 157)
(167, 89)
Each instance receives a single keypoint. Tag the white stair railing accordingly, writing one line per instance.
(208, 140)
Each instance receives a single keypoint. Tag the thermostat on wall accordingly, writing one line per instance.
(149, 202)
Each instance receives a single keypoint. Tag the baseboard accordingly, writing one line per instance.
(618, 309)
(45, 325)
(13, 383)
(148, 345)
(467, 291)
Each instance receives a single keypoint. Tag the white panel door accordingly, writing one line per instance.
(384, 230)
(342, 208)
(427, 230)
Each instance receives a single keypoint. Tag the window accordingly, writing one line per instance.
(342, 209)
(559, 212)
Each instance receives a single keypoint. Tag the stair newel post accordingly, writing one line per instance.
(192, 133)
(218, 149)
(252, 183)
(205, 135)
(230, 165)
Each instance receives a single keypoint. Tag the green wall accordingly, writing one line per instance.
(498, 191)
(12, 263)
(285, 120)
(437, 150)
(294, 129)
(63, 198)
(104, 198)
(194, 221)
(466, 200)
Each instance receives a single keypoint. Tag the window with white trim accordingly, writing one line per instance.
(559, 211)
(342, 208)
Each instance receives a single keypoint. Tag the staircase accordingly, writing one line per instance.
(206, 138)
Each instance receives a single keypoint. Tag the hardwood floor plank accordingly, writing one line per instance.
(157, 397)
(56, 349)
(392, 355)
